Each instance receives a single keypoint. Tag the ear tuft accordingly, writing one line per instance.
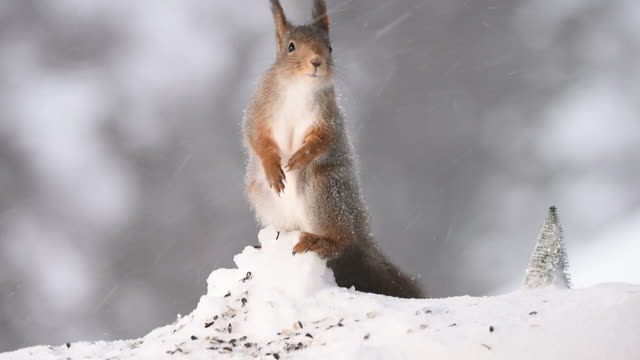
(282, 25)
(320, 14)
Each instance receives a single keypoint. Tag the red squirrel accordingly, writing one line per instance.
(302, 173)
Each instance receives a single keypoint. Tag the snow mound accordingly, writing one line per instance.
(278, 306)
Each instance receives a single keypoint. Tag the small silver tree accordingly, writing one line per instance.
(549, 264)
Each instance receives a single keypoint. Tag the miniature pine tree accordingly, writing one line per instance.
(549, 264)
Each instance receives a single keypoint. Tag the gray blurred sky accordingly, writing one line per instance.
(121, 162)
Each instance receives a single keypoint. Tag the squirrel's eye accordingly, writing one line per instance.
(330, 49)
(292, 47)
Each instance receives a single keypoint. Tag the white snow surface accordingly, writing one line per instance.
(275, 305)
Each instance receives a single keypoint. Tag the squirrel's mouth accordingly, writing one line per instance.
(315, 74)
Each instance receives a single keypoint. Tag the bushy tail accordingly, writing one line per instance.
(368, 270)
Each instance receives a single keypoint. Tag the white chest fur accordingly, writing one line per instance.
(293, 117)
(294, 114)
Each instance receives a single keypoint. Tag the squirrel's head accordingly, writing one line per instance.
(304, 52)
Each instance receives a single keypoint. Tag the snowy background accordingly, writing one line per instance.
(121, 164)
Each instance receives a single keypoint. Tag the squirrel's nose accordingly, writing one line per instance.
(316, 62)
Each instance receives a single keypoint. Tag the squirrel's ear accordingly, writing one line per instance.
(320, 14)
(282, 26)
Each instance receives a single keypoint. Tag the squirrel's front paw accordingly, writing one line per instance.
(300, 159)
(324, 247)
(275, 176)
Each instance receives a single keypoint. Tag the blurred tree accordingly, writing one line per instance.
(549, 264)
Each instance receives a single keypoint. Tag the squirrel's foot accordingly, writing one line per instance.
(300, 159)
(275, 175)
(324, 247)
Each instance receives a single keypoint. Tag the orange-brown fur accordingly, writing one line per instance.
(267, 149)
(316, 142)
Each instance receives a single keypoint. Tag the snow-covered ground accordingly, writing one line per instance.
(279, 306)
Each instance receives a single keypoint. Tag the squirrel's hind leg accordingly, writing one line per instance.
(325, 247)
